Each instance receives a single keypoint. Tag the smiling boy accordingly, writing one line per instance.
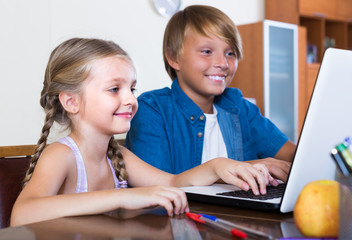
(199, 119)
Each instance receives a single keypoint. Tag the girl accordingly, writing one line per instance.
(88, 87)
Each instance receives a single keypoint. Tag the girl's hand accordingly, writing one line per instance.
(243, 174)
(172, 199)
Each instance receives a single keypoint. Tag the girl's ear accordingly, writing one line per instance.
(69, 101)
(172, 60)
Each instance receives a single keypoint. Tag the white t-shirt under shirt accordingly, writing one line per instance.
(213, 145)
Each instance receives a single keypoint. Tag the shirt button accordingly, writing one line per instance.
(201, 117)
(192, 118)
(200, 134)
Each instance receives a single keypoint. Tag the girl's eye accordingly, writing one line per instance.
(133, 90)
(113, 90)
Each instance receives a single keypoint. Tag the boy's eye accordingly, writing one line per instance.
(231, 54)
(206, 51)
(113, 90)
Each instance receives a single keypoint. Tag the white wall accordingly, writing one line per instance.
(31, 29)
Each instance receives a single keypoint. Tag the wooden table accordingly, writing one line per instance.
(153, 224)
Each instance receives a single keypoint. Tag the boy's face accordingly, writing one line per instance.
(205, 67)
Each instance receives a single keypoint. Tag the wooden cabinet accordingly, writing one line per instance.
(282, 10)
(325, 22)
(331, 9)
(269, 71)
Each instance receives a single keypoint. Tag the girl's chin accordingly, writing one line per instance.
(121, 130)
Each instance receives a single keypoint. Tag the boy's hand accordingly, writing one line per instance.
(243, 174)
(277, 168)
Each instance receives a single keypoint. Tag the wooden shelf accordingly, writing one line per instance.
(318, 29)
(323, 20)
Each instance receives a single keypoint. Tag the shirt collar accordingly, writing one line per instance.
(190, 110)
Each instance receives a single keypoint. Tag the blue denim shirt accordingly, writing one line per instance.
(167, 130)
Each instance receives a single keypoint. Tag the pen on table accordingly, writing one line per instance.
(199, 218)
(239, 227)
(339, 162)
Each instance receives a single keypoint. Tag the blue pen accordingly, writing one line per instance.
(239, 227)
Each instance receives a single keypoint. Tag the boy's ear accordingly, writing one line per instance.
(173, 62)
(69, 101)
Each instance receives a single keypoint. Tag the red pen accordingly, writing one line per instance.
(199, 218)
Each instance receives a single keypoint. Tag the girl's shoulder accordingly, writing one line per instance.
(57, 155)
(54, 166)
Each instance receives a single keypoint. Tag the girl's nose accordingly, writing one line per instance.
(130, 99)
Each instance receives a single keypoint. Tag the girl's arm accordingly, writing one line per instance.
(240, 174)
(47, 195)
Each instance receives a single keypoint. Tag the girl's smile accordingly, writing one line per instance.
(124, 115)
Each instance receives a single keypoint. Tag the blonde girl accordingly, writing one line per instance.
(88, 88)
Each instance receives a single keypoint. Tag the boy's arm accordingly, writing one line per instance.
(280, 165)
(286, 152)
(147, 137)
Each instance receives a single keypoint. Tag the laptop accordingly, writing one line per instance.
(328, 122)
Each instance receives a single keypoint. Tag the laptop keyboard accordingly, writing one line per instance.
(272, 192)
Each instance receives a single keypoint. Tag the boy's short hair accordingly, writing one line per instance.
(203, 20)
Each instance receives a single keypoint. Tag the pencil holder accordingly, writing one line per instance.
(345, 221)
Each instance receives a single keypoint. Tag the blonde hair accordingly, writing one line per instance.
(203, 20)
(68, 67)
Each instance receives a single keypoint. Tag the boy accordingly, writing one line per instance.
(199, 118)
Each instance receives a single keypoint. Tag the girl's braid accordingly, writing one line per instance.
(51, 106)
(115, 155)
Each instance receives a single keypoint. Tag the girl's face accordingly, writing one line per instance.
(108, 100)
(205, 67)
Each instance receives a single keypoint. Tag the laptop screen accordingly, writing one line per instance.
(327, 123)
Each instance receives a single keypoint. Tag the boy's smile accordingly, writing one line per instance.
(218, 78)
(205, 67)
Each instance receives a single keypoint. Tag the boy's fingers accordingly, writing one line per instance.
(265, 172)
(279, 173)
(249, 178)
(274, 182)
(236, 181)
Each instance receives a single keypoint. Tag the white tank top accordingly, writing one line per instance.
(82, 183)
